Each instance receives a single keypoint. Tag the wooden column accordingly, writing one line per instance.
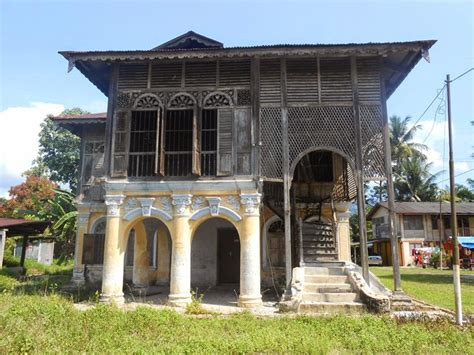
(110, 115)
(23, 251)
(255, 101)
(392, 224)
(286, 176)
(359, 173)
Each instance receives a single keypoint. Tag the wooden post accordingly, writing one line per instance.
(286, 176)
(300, 233)
(359, 173)
(392, 224)
(108, 155)
(23, 251)
(255, 97)
(3, 239)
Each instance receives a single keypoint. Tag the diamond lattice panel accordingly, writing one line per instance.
(372, 142)
(329, 127)
(271, 138)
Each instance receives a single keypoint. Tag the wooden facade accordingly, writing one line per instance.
(304, 125)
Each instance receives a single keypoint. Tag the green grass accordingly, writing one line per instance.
(36, 324)
(431, 285)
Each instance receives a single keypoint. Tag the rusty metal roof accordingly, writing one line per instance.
(406, 208)
(17, 226)
(85, 116)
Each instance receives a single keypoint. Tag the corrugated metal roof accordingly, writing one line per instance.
(85, 116)
(464, 208)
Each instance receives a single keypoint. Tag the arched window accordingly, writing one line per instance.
(276, 243)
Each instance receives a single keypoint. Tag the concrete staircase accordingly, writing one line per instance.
(327, 290)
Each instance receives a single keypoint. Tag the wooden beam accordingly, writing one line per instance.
(359, 173)
(110, 117)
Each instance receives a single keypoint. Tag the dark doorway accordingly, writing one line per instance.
(228, 255)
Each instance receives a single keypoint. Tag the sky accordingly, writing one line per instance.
(34, 81)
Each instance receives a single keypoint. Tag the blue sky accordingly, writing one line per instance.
(34, 81)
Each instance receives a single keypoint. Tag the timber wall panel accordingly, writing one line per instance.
(270, 82)
(133, 76)
(336, 85)
(368, 77)
(200, 74)
(164, 75)
(234, 73)
(302, 81)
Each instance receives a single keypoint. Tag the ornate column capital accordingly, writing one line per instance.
(343, 216)
(83, 217)
(251, 203)
(180, 203)
(113, 203)
(147, 204)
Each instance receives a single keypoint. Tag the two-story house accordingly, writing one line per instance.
(218, 165)
(419, 224)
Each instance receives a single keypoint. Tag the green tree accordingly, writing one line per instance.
(59, 152)
(401, 141)
(414, 181)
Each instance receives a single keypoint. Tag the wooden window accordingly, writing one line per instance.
(276, 244)
(93, 249)
(93, 161)
(225, 142)
(143, 144)
(120, 144)
(413, 222)
(178, 148)
(209, 143)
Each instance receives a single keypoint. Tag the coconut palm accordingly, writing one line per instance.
(414, 181)
(401, 141)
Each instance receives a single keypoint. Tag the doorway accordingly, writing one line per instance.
(228, 256)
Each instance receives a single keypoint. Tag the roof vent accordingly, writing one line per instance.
(190, 40)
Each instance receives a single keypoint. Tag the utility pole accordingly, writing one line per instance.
(454, 226)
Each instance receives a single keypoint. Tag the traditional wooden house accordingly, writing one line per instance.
(228, 165)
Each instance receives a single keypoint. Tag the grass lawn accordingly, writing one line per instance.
(35, 318)
(431, 285)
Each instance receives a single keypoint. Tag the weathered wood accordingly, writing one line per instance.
(224, 142)
(392, 224)
(255, 102)
(23, 250)
(196, 163)
(112, 99)
(359, 177)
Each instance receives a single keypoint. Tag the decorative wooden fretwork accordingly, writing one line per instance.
(148, 101)
(123, 100)
(182, 100)
(372, 141)
(271, 137)
(243, 97)
(217, 99)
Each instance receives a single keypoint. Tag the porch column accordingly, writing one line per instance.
(342, 231)
(3, 239)
(250, 295)
(78, 276)
(180, 278)
(141, 260)
(114, 250)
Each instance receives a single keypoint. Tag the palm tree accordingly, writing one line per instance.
(414, 182)
(401, 141)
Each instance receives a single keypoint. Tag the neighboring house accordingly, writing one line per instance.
(186, 180)
(38, 249)
(419, 224)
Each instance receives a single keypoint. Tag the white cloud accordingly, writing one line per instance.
(19, 128)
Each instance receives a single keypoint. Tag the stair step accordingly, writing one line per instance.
(319, 258)
(330, 297)
(331, 308)
(320, 252)
(318, 239)
(327, 288)
(326, 279)
(322, 270)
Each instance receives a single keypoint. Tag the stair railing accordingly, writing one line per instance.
(334, 226)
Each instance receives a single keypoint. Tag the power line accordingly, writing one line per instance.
(440, 109)
(467, 171)
(460, 76)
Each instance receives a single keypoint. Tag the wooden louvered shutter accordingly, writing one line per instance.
(120, 144)
(196, 168)
(159, 141)
(224, 142)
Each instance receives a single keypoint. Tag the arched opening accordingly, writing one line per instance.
(148, 253)
(215, 255)
(322, 180)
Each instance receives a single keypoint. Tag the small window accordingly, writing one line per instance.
(413, 222)
(434, 222)
(93, 249)
(276, 243)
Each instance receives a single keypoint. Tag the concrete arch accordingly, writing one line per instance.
(320, 148)
(154, 212)
(95, 223)
(222, 211)
(206, 217)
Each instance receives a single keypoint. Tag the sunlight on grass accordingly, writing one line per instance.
(431, 285)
